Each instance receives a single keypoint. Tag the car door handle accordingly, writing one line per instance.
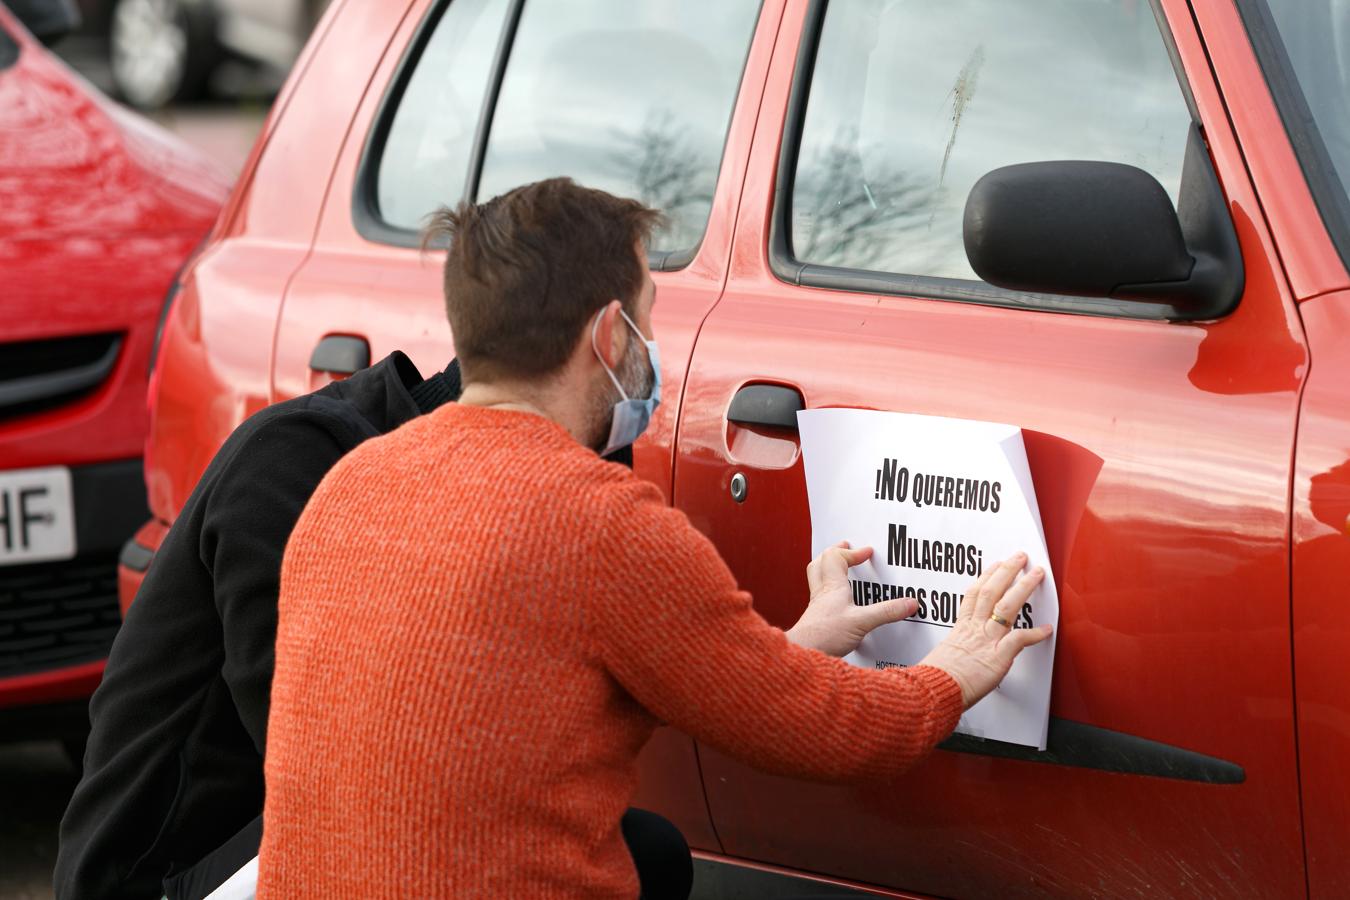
(766, 404)
(340, 354)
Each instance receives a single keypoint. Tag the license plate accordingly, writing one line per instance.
(37, 516)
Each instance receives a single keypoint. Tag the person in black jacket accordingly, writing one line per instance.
(174, 764)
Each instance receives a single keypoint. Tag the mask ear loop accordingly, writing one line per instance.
(595, 328)
(633, 325)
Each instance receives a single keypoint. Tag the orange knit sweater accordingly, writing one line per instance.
(480, 624)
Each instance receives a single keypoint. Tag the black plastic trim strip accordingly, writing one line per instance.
(134, 556)
(742, 879)
(1174, 55)
(9, 50)
(789, 269)
(1330, 194)
(494, 89)
(165, 305)
(1090, 747)
(40, 388)
(170, 296)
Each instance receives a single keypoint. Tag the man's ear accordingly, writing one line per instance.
(608, 335)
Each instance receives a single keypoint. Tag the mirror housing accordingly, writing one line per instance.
(1102, 229)
(48, 20)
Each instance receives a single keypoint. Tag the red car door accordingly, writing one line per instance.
(1305, 179)
(674, 131)
(1161, 450)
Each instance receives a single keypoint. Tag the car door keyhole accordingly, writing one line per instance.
(738, 487)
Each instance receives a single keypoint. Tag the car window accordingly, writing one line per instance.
(912, 101)
(425, 161)
(632, 98)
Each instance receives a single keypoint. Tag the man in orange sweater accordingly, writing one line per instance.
(481, 621)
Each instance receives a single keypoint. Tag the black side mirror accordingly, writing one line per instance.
(48, 20)
(1099, 229)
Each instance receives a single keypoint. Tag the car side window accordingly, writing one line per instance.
(912, 101)
(425, 159)
(632, 98)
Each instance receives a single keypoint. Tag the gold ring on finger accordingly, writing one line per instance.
(995, 617)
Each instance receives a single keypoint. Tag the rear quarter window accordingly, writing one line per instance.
(425, 159)
(631, 98)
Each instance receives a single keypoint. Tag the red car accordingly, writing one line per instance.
(1171, 329)
(99, 210)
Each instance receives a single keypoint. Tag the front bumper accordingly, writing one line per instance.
(58, 619)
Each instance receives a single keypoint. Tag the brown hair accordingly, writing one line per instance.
(527, 270)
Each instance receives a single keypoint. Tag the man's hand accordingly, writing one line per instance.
(832, 623)
(979, 651)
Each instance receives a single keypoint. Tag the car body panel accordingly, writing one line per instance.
(1321, 627)
(215, 361)
(239, 197)
(1163, 465)
(42, 688)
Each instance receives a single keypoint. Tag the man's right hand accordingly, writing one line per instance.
(832, 622)
(980, 651)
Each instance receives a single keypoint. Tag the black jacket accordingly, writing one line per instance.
(174, 765)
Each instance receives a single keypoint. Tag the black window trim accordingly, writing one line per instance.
(789, 269)
(483, 131)
(1329, 193)
(365, 199)
(10, 49)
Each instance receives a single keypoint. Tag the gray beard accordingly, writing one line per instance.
(636, 375)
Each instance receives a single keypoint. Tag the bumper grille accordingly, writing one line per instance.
(56, 614)
(40, 375)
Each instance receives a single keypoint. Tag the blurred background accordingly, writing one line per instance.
(209, 78)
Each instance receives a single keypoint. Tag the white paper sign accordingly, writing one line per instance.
(938, 500)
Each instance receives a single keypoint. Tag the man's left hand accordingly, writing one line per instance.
(832, 623)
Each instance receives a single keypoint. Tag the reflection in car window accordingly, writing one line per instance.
(426, 156)
(632, 98)
(912, 102)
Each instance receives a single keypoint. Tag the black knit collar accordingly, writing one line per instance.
(445, 387)
(439, 389)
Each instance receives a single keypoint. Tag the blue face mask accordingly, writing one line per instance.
(631, 415)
